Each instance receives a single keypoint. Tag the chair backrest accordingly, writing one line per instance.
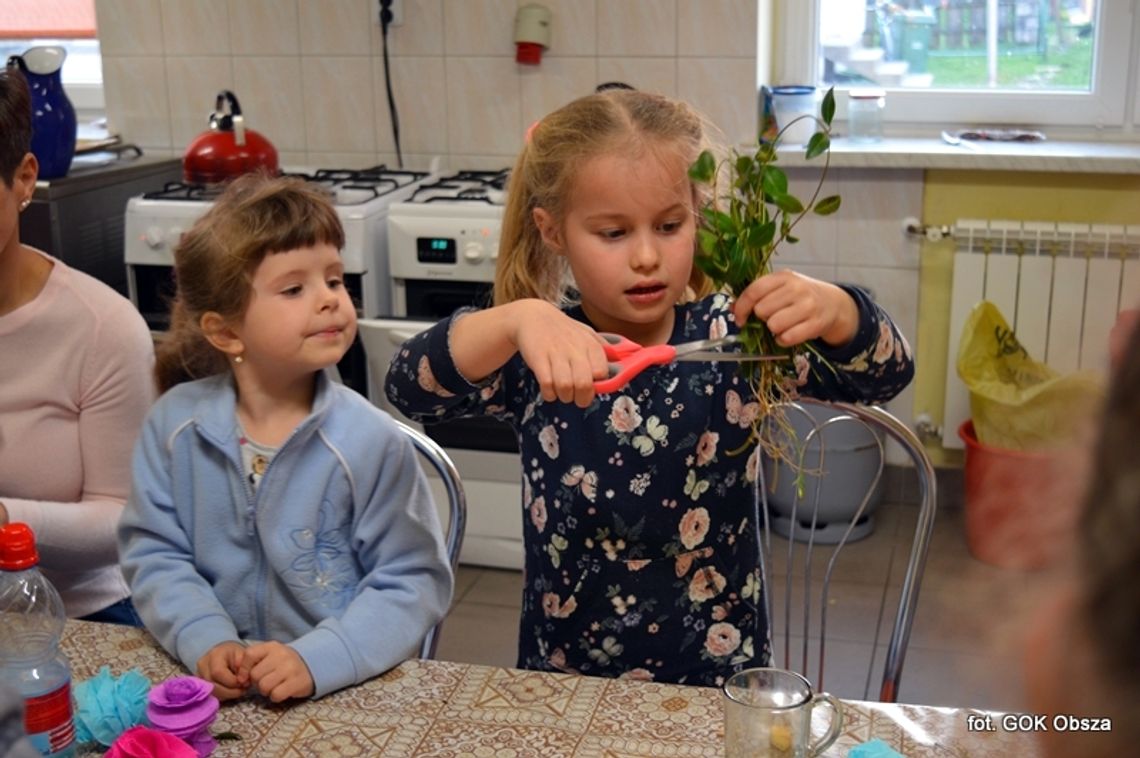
(807, 512)
(457, 512)
(381, 339)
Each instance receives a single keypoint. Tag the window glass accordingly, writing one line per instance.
(1024, 45)
(68, 23)
(81, 66)
(1063, 64)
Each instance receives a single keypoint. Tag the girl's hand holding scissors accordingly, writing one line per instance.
(797, 308)
(566, 356)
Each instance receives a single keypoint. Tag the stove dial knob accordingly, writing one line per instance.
(473, 252)
(176, 233)
(153, 237)
(494, 250)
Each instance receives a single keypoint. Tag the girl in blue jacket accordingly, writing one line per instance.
(639, 526)
(279, 534)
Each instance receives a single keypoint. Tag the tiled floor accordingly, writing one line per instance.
(963, 649)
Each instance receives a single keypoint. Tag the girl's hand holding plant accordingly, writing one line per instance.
(752, 213)
(797, 308)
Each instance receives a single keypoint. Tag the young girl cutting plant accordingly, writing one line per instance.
(639, 527)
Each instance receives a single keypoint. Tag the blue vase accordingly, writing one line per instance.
(53, 117)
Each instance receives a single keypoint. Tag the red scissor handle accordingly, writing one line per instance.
(628, 359)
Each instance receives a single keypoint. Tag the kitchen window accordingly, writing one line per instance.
(1066, 63)
(68, 23)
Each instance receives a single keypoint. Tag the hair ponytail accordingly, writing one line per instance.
(526, 268)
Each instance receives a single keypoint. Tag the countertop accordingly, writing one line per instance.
(439, 708)
(933, 153)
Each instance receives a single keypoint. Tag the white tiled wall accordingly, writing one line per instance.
(310, 74)
(864, 244)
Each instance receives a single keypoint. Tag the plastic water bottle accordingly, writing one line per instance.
(31, 625)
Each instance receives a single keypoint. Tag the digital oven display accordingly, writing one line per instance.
(435, 249)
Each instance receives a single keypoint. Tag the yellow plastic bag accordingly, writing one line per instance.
(1018, 403)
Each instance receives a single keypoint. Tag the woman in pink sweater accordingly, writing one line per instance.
(75, 384)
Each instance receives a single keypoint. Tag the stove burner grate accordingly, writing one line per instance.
(470, 186)
(343, 186)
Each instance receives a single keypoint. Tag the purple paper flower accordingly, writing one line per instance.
(144, 742)
(185, 707)
(106, 706)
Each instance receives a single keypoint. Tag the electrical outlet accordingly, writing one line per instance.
(397, 9)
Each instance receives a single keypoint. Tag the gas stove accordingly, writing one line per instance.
(443, 244)
(447, 230)
(156, 220)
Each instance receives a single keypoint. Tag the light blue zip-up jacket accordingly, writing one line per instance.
(338, 553)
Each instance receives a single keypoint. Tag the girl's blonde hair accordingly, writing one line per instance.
(608, 122)
(214, 263)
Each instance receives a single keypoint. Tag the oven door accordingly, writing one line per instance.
(381, 339)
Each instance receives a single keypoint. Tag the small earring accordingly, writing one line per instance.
(238, 359)
(24, 205)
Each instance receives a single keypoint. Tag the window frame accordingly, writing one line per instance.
(1112, 103)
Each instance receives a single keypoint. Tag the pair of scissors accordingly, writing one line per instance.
(627, 359)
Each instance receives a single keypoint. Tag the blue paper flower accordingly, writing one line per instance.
(106, 706)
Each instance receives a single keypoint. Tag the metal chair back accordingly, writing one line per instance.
(457, 512)
(875, 419)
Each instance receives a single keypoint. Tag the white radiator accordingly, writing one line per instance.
(1059, 286)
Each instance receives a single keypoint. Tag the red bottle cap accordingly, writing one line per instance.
(17, 547)
(529, 53)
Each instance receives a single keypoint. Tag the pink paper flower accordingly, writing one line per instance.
(144, 742)
(185, 706)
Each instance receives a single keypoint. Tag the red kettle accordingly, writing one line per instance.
(228, 149)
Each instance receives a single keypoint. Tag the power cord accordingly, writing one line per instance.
(385, 22)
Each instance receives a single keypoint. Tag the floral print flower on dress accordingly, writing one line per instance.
(706, 448)
(427, 380)
(706, 584)
(694, 527)
(722, 639)
(624, 417)
(548, 438)
(886, 346)
(538, 513)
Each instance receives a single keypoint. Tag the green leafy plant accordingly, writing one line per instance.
(751, 215)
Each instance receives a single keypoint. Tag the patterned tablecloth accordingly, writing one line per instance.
(437, 708)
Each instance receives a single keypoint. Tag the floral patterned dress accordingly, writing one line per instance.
(640, 526)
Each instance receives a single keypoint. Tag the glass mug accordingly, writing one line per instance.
(767, 712)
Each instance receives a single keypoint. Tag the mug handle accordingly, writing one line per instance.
(824, 742)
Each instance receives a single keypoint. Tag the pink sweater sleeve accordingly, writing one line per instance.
(89, 384)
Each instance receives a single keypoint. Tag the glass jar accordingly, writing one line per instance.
(865, 106)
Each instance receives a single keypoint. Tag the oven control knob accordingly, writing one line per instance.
(473, 252)
(153, 237)
(495, 250)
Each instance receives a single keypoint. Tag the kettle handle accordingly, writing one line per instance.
(228, 118)
(17, 61)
